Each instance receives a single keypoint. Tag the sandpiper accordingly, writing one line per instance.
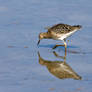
(59, 32)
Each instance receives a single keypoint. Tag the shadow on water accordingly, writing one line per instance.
(60, 69)
(68, 49)
(52, 45)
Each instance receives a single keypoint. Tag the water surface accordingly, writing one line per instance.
(20, 23)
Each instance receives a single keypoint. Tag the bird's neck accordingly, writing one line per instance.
(47, 36)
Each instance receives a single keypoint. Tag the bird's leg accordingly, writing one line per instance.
(57, 46)
(65, 45)
(61, 45)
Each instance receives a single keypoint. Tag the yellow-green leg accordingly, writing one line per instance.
(57, 46)
(65, 47)
(61, 45)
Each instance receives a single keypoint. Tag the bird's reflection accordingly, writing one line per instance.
(60, 69)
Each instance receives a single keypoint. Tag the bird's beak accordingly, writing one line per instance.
(38, 42)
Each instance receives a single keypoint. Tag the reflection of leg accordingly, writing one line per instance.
(58, 55)
(57, 46)
(63, 57)
(65, 52)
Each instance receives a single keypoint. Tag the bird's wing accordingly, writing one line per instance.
(60, 28)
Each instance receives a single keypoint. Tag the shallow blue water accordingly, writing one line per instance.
(21, 21)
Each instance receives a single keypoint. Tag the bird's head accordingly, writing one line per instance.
(41, 36)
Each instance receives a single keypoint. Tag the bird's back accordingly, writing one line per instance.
(59, 30)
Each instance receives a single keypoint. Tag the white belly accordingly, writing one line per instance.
(63, 36)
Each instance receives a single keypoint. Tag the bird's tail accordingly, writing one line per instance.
(78, 26)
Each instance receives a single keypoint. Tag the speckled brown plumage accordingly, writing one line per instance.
(59, 32)
(61, 29)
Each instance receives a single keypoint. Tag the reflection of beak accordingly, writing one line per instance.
(38, 42)
(38, 54)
